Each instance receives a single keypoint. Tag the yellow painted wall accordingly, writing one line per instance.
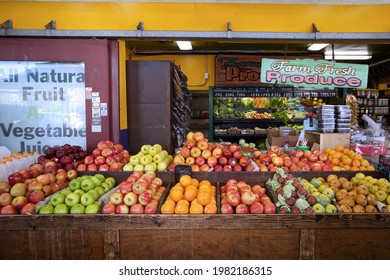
(197, 16)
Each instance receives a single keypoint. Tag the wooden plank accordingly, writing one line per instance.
(111, 244)
(348, 244)
(209, 244)
(51, 244)
(307, 244)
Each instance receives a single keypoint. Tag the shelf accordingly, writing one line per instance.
(235, 136)
(261, 110)
(216, 121)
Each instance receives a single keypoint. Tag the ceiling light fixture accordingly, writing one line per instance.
(184, 45)
(348, 57)
(316, 47)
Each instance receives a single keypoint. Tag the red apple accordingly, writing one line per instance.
(122, 209)
(242, 209)
(233, 197)
(204, 167)
(99, 160)
(5, 199)
(185, 152)
(190, 144)
(136, 209)
(237, 155)
(125, 187)
(18, 202)
(212, 161)
(248, 197)
(150, 208)
(232, 161)
(96, 152)
(28, 209)
(190, 160)
(34, 185)
(35, 196)
(298, 153)
(269, 208)
(227, 168)
(202, 145)
(244, 161)
(194, 168)
(8, 210)
(198, 136)
(15, 178)
(206, 153)
(200, 161)
(256, 208)
(108, 208)
(227, 209)
(217, 152)
(89, 160)
(4, 186)
(218, 168)
(144, 198)
(233, 148)
(92, 167)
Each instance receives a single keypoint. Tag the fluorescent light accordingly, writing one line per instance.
(316, 47)
(348, 57)
(184, 45)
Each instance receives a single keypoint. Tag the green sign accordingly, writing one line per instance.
(313, 73)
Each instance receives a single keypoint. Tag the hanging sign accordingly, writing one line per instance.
(313, 73)
(42, 104)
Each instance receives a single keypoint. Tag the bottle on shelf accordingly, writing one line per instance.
(3, 171)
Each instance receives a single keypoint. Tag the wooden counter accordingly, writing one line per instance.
(274, 236)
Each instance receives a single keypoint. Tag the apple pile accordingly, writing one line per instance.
(107, 156)
(81, 197)
(149, 158)
(241, 198)
(290, 193)
(140, 193)
(68, 156)
(27, 187)
(203, 156)
(299, 161)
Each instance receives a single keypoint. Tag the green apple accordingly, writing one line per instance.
(158, 147)
(145, 149)
(381, 195)
(161, 166)
(164, 153)
(145, 160)
(46, 209)
(94, 193)
(157, 158)
(66, 191)
(61, 208)
(75, 184)
(318, 208)
(330, 208)
(80, 192)
(140, 155)
(57, 198)
(72, 199)
(100, 176)
(84, 177)
(92, 208)
(100, 190)
(328, 192)
(106, 186)
(139, 167)
(96, 181)
(77, 209)
(111, 180)
(153, 151)
(87, 185)
(87, 199)
(128, 167)
(134, 160)
(149, 167)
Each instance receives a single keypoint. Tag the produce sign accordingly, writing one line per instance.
(42, 103)
(313, 73)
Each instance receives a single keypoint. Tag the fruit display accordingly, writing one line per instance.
(140, 193)
(68, 156)
(205, 156)
(149, 158)
(291, 195)
(81, 197)
(26, 187)
(241, 198)
(189, 196)
(336, 159)
(107, 156)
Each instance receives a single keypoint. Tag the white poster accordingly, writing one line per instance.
(42, 104)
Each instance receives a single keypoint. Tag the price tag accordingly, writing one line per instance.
(181, 170)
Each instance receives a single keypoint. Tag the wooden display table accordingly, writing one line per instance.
(274, 236)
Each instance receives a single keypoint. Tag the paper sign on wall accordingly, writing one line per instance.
(42, 104)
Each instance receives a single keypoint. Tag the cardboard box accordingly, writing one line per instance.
(328, 140)
(275, 140)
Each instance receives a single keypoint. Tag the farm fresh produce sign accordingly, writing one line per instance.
(313, 73)
(41, 103)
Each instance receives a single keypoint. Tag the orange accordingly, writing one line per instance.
(356, 163)
(339, 148)
(335, 161)
(347, 161)
(177, 188)
(346, 151)
(181, 209)
(358, 157)
(213, 200)
(336, 168)
(364, 163)
(190, 194)
(347, 167)
(196, 208)
(204, 198)
(337, 155)
(167, 208)
(205, 182)
(191, 187)
(210, 209)
(205, 188)
(354, 168)
(185, 180)
(370, 168)
(362, 168)
(195, 182)
(327, 150)
(194, 201)
(176, 195)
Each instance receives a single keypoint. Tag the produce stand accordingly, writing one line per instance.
(219, 236)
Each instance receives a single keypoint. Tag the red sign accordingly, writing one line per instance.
(241, 70)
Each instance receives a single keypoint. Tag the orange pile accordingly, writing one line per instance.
(189, 196)
(346, 159)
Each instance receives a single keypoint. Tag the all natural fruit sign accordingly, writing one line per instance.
(313, 73)
(42, 104)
